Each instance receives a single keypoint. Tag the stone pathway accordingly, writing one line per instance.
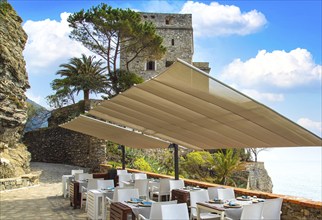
(42, 202)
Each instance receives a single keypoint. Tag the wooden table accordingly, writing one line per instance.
(217, 208)
(182, 196)
(120, 211)
(220, 209)
(74, 194)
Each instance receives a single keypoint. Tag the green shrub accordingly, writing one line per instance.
(197, 164)
(141, 164)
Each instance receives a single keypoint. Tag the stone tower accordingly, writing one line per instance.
(177, 33)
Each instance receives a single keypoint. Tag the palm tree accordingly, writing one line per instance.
(225, 164)
(82, 74)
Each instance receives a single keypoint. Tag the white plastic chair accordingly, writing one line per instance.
(120, 172)
(126, 194)
(163, 190)
(66, 179)
(175, 184)
(143, 186)
(115, 195)
(124, 177)
(213, 192)
(96, 209)
(91, 184)
(155, 213)
(139, 176)
(77, 171)
(252, 212)
(104, 184)
(83, 176)
(200, 196)
(233, 214)
(272, 208)
(175, 212)
(226, 194)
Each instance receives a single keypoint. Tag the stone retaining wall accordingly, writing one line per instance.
(59, 145)
(26, 180)
(293, 208)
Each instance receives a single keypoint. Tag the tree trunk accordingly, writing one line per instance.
(86, 100)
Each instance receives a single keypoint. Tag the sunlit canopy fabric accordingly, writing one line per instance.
(186, 106)
(103, 130)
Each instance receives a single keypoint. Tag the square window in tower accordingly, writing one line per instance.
(150, 65)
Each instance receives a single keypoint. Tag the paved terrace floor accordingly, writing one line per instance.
(43, 202)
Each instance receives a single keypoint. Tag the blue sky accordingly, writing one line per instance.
(269, 50)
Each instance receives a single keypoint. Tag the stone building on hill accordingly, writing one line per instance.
(177, 33)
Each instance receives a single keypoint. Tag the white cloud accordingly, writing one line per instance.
(265, 96)
(37, 98)
(278, 68)
(314, 126)
(49, 45)
(216, 19)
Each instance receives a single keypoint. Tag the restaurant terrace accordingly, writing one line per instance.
(185, 107)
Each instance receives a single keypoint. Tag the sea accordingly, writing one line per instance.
(295, 171)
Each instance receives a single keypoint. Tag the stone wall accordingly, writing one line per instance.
(204, 66)
(59, 145)
(14, 157)
(26, 180)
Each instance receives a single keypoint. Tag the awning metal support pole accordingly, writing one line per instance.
(123, 156)
(176, 161)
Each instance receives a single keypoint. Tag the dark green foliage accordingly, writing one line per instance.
(112, 153)
(125, 80)
(197, 164)
(245, 155)
(222, 167)
(63, 96)
(5, 7)
(103, 29)
(141, 164)
(80, 74)
(225, 164)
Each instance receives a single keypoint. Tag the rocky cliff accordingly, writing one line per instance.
(258, 178)
(14, 158)
(253, 176)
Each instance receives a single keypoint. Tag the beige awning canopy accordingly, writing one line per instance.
(107, 131)
(188, 107)
(185, 106)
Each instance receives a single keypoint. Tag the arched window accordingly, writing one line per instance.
(150, 65)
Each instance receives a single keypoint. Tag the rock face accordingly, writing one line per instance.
(258, 178)
(14, 158)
